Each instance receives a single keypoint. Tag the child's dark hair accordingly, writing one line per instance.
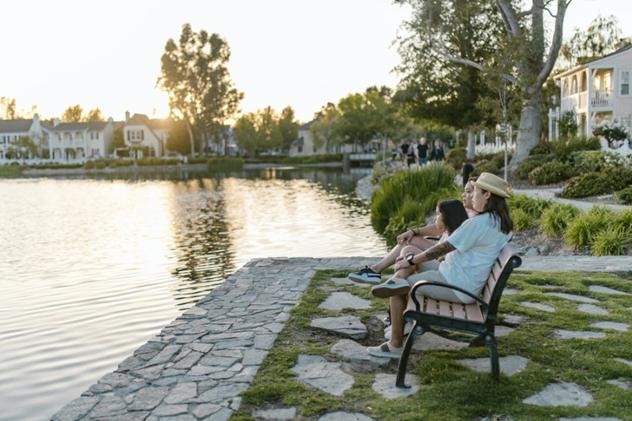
(453, 213)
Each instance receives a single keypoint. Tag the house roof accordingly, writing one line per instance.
(90, 125)
(15, 126)
(307, 125)
(153, 123)
(593, 61)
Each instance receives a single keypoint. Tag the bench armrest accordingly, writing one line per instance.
(419, 284)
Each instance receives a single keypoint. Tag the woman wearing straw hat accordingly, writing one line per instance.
(470, 252)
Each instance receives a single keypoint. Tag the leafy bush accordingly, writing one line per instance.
(94, 165)
(564, 148)
(225, 164)
(421, 186)
(315, 159)
(54, 166)
(612, 241)
(596, 183)
(530, 164)
(624, 196)
(521, 220)
(568, 124)
(595, 161)
(551, 172)
(144, 162)
(542, 148)
(10, 171)
(614, 135)
(533, 207)
(456, 157)
(583, 230)
(197, 159)
(556, 218)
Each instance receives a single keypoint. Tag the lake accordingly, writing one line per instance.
(92, 268)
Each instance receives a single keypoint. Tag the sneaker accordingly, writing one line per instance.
(386, 350)
(393, 286)
(389, 330)
(366, 276)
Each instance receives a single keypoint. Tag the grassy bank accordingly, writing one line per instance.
(450, 391)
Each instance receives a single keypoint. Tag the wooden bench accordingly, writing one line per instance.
(478, 318)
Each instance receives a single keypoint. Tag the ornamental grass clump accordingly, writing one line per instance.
(556, 218)
(624, 196)
(533, 207)
(613, 241)
(521, 220)
(584, 229)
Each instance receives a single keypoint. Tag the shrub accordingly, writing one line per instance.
(613, 241)
(556, 218)
(521, 220)
(542, 148)
(583, 230)
(596, 183)
(94, 165)
(149, 161)
(533, 207)
(624, 196)
(420, 186)
(551, 172)
(225, 164)
(197, 159)
(456, 157)
(623, 220)
(531, 163)
(564, 148)
(595, 161)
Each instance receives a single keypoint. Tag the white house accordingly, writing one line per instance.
(145, 136)
(79, 141)
(304, 144)
(12, 130)
(597, 92)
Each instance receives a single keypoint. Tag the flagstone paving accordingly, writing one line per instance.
(621, 383)
(384, 384)
(349, 326)
(341, 300)
(605, 290)
(620, 327)
(576, 334)
(560, 394)
(344, 416)
(276, 414)
(509, 365)
(592, 309)
(538, 306)
(353, 352)
(572, 297)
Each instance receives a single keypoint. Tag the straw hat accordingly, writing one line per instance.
(493, 184)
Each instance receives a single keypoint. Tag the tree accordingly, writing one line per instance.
(94, 115)
(194, 74)
(524, 36)
(178, 138)
(288, 128)
(23, 147)
(118, 140)
(9, 108)
(323, 129)
(603, 36)
(72, 114)
(246, 134)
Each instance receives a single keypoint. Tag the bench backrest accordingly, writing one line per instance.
(505, 263)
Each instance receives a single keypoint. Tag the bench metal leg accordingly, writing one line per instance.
(403, 359)
(493, 355)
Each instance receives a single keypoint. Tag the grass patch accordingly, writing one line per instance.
(10, 171)
(450, 391)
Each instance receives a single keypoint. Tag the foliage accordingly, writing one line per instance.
(597, 183)
(550, 173)
(118, 139)
(612, 241)
(521, 220)
(266, 130)
(314, 159)
(153, 161)
(195, 75)
(614, 135)
(21, 148)
(531, 163)
(565, 147)
(624, 196)
(94, 115)
(9, 108)
(11, 171)
(178, 138)
(602, 36)
(456, 157)
(568, 124)
(94, 165)
(288, 128)
(592, 161)
(417, 186)
(72, 114)
(531, 206)
(556, 218)
(225, 164)
(583, 230)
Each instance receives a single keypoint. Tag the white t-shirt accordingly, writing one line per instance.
(478, 242)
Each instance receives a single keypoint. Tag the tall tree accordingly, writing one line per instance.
(9, 108)
(603, 36)
(246, 134)
(524, 35)
(324, 129)
(94, 115)
(72, 114)
(288, 128)
(194, 74)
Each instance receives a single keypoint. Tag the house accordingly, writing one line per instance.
(144, 136)
(12, 130)
(228, 144)
(79, 142)
(597, 92)
(304, 144)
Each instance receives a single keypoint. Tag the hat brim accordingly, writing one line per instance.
(492, 189)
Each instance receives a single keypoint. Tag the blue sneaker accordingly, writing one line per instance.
(366, 276)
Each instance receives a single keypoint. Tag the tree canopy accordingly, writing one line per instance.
(94, 115)
(195, 75)
(72, 114)
(266, 129)
(603, 36)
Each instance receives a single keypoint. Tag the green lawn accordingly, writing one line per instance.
(450, 391)
(10, 171)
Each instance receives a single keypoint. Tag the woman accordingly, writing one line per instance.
(470, 252)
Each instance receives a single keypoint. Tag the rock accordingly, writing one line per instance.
(572, 297)
(619, 327)
(76, 409)
(538, 306)
(577, 334)
(148, 398)
(430, 342)
(592, 309)
(384, 384)
(560, 394)
(276, 414)
(347, 281)
(606, 290)
(621, 383)
(509, 365)
(501, 331)
(219, 394)
(206, 409)
(349, 326)
(514, 319)
(357, 354)
(510, 291)
(340, 300)
(624, 361)
(532, 252)
(182, 393)
(166, 410)
(591, 419)
(318, 372)
(344, 416)
(254, 357)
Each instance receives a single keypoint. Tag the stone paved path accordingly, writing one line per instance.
(197, 366)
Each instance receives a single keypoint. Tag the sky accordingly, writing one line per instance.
(302, 53)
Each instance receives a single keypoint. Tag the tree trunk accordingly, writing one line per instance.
(529, 130)
(191, 140)
(471, 144)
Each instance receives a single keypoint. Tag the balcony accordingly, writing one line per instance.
(601, 99)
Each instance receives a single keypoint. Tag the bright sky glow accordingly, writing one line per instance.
(302, 53)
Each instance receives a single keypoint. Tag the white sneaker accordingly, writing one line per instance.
(389, 329)
(386, 350)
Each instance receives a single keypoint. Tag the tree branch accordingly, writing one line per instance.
(554, 49)
(509, 17)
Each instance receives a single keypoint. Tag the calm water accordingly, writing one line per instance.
(91, 269)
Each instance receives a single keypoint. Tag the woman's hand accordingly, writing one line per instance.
(405, 237)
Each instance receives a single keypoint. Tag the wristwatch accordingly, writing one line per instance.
(409, 259)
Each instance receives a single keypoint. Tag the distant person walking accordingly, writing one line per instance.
(437, 153)
(404, 151)
(422, 152)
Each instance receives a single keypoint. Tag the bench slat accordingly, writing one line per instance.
(432, 306)
(459, 311)
(473, 312)
(444, 308)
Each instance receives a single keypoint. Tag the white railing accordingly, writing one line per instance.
(583, 100)
(601, 99)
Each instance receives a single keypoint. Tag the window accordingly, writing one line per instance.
(625, 83)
